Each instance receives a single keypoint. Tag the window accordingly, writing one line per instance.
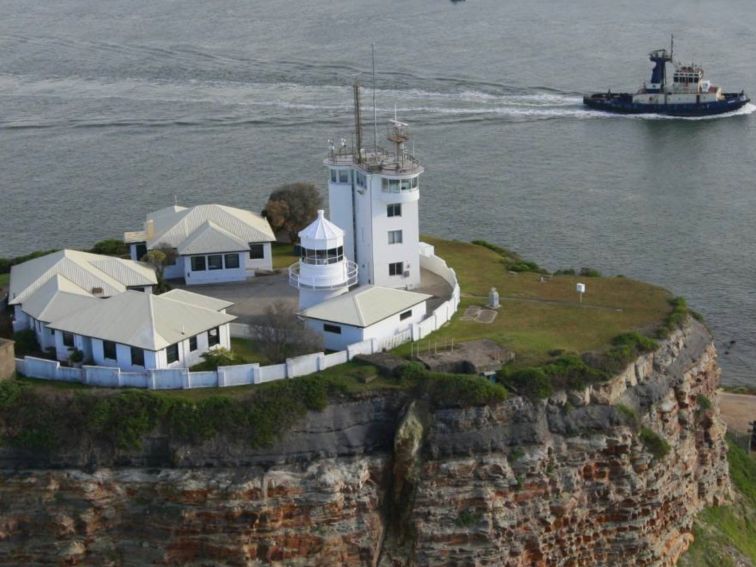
(396, 268)
(394, 210)
(333, 176)
(405, 315)
(213, 337)
(109, 350)
(68, 339)
(172, 353)
(232, 261)
(198, 264)
(343, 176)
(137, 356)
(193, 343)
(360, 179)
(415, 181)
(406, 184)
(395, 237)
(141, 250)
(215, 262)
(335, 329)
(256, 251)
(321, 257)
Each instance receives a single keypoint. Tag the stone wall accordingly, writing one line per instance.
(564, 481)
(7, 359)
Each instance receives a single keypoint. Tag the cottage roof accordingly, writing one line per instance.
(365, 306)
(143, 320)
(176, 227)
(209, 238)
(196, 299)
(92, 273)
(55, 298)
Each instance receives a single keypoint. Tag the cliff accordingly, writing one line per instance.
(612, 475)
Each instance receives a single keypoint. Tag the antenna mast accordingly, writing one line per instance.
(358, 121)
(672, 48)
(375, 112)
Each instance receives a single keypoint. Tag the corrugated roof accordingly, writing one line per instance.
(56, 298)
(365, 306)
(174, 225)
(209, 238)
(197, 299)
(142, 320)
(88, 271)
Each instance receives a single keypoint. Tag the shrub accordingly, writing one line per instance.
(565, 272)
(675, 319)
(524, 266)
(218, 357)
(654, 443)
(111, 247)
(460, 390)
(703, 402)
(589, 273)
(531, 382)
(76, 355)
(629, 414)
(26, 343)
(468, 518)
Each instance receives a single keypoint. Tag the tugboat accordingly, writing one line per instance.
(688, 95)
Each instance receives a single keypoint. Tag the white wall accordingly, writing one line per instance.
(21, 321)
(265, 263)
(340, 212)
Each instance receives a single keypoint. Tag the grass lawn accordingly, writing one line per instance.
(283, 255)
(537, 317)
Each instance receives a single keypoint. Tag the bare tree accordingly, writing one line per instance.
(282, 335)
(292, 207)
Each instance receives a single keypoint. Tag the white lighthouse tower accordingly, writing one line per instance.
(373, 194)
(323, 271)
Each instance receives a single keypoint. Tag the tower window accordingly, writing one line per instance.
(395, 237)
(394, 210)
(360, 179)
(396, 268)
(343, 176)
(333, 176)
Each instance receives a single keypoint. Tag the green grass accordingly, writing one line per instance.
(726, 534)
(537, 317)
(283, 255)
(4, 280)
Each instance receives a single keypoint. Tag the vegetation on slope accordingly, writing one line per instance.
(726, 535)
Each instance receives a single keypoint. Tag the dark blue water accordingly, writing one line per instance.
(112, 109)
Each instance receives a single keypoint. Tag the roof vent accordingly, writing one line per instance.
(98, 291)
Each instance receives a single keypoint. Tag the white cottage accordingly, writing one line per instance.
(54, 285)
(136, 331)
(369, 312)
(213, 243)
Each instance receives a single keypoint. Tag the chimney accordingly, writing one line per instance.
(149, 229)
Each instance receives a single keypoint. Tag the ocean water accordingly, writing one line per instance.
(111, 109)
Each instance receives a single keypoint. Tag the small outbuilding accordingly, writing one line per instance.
(369, 312)
(136, 331)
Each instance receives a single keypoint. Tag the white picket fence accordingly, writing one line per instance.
(246, 374)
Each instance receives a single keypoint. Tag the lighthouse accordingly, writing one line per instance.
(373, 195)
(323, 270)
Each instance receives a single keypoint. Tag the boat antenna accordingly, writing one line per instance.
(375, 111)
(672, 47)
(358, 120)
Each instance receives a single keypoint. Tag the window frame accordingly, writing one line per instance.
(171, 349)
(66, 341)
(393, 271)
(105, 349)
(405, 315)
(235, 258)
(395, 237)
(203, 262)
(344, 177)
(394, 210)
(256, 251)
(193, 343)
(331, 328)
(211, 342)
(211, 258)
(138, 357)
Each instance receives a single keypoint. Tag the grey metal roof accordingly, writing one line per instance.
(197, 299)
(87, 271)
(365, 306)
(56, 298)
(210, 238)
(142, 320)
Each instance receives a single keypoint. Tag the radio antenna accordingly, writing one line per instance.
(375, 111)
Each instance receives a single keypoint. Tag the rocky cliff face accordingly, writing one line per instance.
(567, 481)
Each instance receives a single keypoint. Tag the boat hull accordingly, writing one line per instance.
(622, 103)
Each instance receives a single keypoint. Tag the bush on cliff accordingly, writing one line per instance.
(654, 443)
(450, 390)
(675, 319)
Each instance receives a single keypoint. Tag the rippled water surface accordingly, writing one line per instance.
(111, 109)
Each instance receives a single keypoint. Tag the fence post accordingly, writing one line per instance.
(152, 380)
(321, 361)
(256, 374)
(220, 373)
(289, 368)
(186, 379)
